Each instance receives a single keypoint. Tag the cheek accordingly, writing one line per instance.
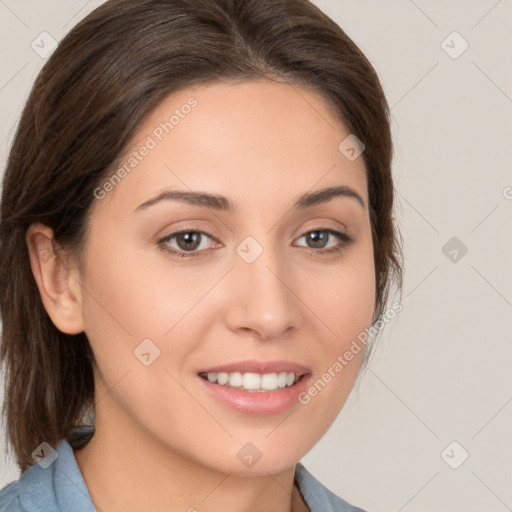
(343, 298)
(343, 302)
(134, 296)
(137, 296)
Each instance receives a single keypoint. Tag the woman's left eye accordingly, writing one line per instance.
(189, 241)
(319, 238)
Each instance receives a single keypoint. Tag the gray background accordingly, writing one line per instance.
(441, 372)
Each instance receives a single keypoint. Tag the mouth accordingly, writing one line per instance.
(255, 387)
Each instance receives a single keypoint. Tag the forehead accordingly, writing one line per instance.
(250, 140)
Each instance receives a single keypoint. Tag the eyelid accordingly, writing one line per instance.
(335, 232)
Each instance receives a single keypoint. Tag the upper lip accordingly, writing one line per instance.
(253, 366)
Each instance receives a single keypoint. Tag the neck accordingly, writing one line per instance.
(140, 474)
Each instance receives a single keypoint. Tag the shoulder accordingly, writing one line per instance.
(9, 500)
(317, 496)
(54, 484)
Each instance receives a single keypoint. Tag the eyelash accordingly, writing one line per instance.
(343, 237)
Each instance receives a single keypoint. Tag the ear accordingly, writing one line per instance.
(58, 283)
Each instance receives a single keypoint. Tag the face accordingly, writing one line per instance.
(259, 281)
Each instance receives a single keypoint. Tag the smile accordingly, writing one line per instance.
(255, 387)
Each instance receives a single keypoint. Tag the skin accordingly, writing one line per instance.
(262, 145)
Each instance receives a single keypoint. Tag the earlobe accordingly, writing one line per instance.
(58, 283)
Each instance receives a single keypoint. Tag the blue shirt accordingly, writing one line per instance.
(61, 488)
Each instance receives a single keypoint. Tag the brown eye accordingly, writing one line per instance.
(318, 239)
(186, 242)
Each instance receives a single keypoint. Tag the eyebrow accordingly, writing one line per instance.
(221, 203)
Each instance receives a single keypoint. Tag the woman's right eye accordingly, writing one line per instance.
(187, 240)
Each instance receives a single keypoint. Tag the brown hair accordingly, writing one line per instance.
(105, 76)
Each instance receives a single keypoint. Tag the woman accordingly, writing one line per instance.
(196, 232)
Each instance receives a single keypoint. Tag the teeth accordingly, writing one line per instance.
(222, 378)
(252, 381)
(235, 379)
(281, 379)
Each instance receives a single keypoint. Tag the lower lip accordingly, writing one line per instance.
(257, 402)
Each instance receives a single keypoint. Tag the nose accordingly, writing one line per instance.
(262, 297)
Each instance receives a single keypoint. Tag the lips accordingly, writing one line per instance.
(255, 387)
